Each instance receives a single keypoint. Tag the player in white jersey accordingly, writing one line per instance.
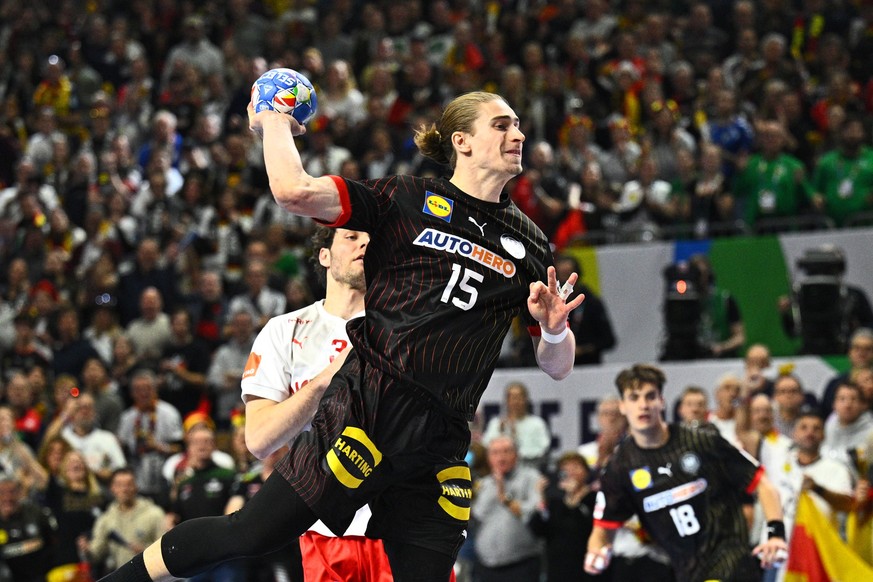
(287, 359)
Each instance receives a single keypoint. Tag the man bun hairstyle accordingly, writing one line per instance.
(435, 142)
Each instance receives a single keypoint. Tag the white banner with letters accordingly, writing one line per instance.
(568, 406)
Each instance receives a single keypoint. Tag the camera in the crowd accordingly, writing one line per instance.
(683, 308)
(821, 301)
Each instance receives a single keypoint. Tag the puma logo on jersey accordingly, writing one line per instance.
(298, 342)
(481, 227)
(666, 470)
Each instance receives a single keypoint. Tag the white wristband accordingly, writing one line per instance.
(554, 338)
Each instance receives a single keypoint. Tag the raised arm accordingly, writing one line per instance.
(556, 347)
(294, 189)
(269, 424)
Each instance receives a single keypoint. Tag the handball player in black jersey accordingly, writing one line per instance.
(450, 263)
(687, 487)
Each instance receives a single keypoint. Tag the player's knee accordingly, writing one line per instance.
(251, 535)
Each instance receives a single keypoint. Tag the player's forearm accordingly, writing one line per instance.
(768, 495)
(270, 425)
(556, 359)
(294, 189)
(600, 537)
(599, 552)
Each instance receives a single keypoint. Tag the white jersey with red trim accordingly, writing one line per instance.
(289, 351)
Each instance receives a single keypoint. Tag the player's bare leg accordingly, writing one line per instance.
(154, 562)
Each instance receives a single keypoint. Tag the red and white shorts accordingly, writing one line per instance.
(328, 559)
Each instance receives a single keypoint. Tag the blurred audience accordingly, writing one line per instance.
(30, 533)
(503, 504)
(530, 433)
(131, 187)
(564, 518)
(129, 524)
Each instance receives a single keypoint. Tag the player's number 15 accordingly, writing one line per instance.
(463, 287)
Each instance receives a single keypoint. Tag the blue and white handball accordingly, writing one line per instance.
(285, 91)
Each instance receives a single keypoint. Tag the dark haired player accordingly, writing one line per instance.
(289, 351)
(686, 486)
(450, 263)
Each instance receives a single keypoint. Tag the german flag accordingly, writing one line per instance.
(817, 553)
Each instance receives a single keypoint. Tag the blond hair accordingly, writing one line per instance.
(435, 141)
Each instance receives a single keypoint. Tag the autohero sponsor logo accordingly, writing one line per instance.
(439, 206)
(353, 457)
(456, 491)
(673, 496)
(441, 241)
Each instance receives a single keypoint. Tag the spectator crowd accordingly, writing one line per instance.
(141, 250)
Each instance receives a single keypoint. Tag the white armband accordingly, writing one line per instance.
(554, 338)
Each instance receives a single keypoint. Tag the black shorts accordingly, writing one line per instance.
(378, 440)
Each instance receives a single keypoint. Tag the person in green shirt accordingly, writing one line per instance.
(843, 177)
(773, 183)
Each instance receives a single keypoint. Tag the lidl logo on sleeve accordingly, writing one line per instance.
(353, 457)
(641, 478)
(456, 491)
(438, 206)
(251, 365)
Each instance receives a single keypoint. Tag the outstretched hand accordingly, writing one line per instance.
(548, 306)
(256, 121)
(597, 562)
(772, 553)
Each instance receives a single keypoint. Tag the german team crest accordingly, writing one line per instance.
(690, 463)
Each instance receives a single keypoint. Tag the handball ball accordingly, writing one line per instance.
(285, 91)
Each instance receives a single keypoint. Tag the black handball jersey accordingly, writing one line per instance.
(446, 274)
(688, 495)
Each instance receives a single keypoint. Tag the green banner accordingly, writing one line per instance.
(754, 271)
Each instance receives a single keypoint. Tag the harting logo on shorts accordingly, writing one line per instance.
(457, 491)
(353, 457)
